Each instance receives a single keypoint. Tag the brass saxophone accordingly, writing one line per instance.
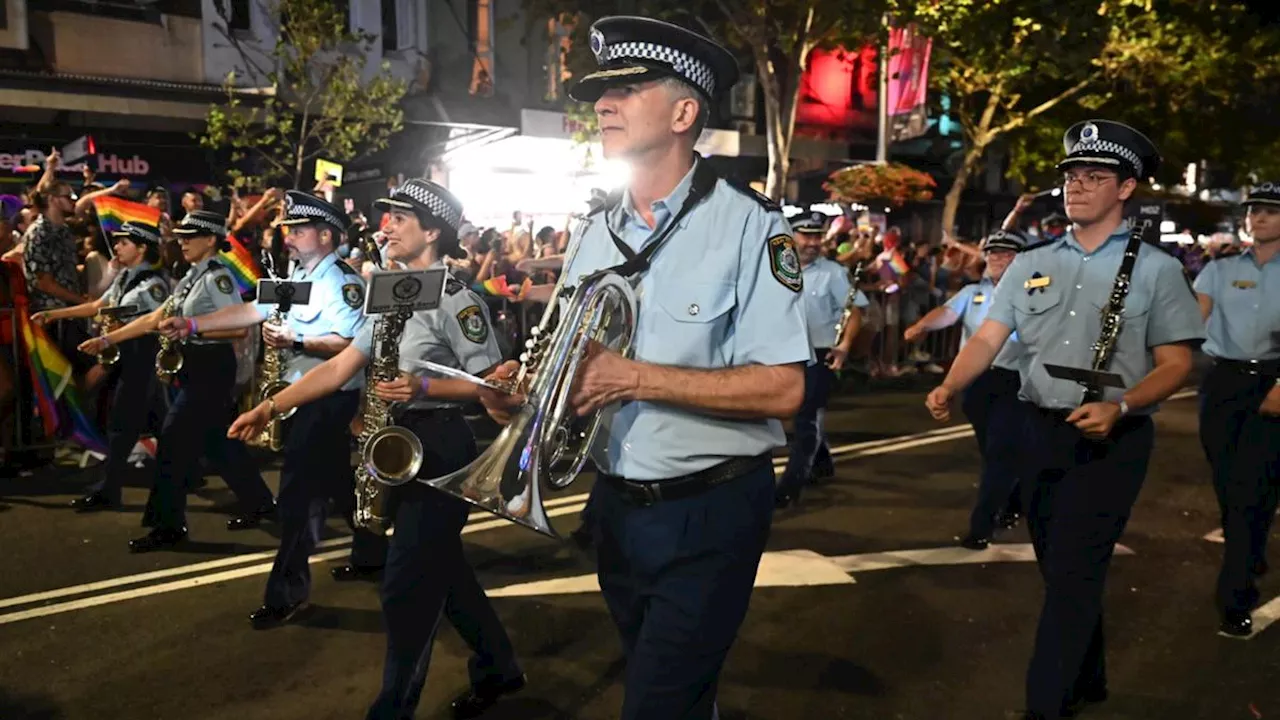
(275, 365)
(105, 323)
(169, 359)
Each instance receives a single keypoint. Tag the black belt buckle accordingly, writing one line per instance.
(649, 493)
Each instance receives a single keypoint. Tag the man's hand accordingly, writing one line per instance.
(913, 333)
(121, 185)
(836, 358)
(42, 318)
(402, 389)
(93, 346)
(1024, 201)
(604, 377)
(277, 336)
(1094, 420)
(500, 405)
(1271, 403)
(939, 403)
(250, 424)
(174, 328)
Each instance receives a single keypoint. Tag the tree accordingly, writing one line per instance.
(1006, 64)
(319, 98)
(778, 36)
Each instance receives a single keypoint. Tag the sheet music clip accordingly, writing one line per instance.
(1087, 378)
(413, 290)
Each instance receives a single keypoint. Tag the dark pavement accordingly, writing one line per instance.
(929, 640)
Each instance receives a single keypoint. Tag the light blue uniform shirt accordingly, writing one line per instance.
(1059, 322)
(337, 294)
(972, 304)
(826, 287)
(722, 292)
(1245, 321)
(207, 286)
(146, 295)
(457, 334)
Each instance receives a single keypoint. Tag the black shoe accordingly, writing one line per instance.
(474, 702)
(251, 520)
(267, 617)
(1236, 623)
(1089, 696)
(350, 573)
(783, 497)
(158, 539)
(92, 502)
(975, 542)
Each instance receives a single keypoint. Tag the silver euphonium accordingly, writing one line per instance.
(546, 443)
(390, 455)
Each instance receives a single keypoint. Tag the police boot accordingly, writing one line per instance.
(158, 539)
(474, 702)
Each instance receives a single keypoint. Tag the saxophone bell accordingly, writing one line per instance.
(169, 358)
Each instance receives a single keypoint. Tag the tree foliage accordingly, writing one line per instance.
(318, 96)
(772, 38)
(1020, 71)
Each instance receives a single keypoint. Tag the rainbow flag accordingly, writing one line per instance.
(242, 265)
(114, 211)
(899, 264)
(52, 379)
(499, 287)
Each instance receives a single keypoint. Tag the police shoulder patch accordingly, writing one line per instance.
(158, 292)
(474, 328)
(353, 294)
(784, 263)
(224, 284)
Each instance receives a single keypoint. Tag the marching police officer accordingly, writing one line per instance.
(684, 496)
(136, 392)
(826, 293)
(991, 401)
(427, 574)
(1240, 401)
(1084, 463)
(204, 402)
(317, 454)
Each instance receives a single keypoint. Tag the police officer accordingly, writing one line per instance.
(684, 495)
(204, 403)
(991, 401)
(317, 454)
(826, 292)
(1084, 463)
(426, 572)
(1240, 401)
(135, 393)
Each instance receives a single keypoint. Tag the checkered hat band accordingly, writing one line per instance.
(139, 232)
(311, 212)
(1106, 146)
(1267, 193)
(438, 206)
(202, 224)
(686, 66)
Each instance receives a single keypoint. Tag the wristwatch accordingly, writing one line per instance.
(1124, 408)
(298, 345)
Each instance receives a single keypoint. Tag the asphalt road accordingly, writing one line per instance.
(864, 608)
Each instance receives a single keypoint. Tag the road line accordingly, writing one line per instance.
(948, 555)
(1263, 617)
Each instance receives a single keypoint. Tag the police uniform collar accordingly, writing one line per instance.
(1120, 234)
(672, 202)
(324, 264)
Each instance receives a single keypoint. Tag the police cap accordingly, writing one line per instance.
(301, 208)
(138, 233)
(434, 206)
(637, 49)
(1110, 144)
(1004, 240)
(1268, 193)
(812, 222)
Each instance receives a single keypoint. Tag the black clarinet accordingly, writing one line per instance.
(1113, 315)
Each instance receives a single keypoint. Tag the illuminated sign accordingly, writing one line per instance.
(32, 161)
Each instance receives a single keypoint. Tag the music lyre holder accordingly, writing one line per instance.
(399, 290)
(1093, 381)
(285, 293)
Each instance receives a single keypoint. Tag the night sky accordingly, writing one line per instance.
(1268, 10)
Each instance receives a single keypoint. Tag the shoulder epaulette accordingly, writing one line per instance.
(755, 195)
(345, 268)
(453, 286)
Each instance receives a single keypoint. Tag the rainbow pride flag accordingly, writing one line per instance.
(898, 263)
(499, 287)
(113, 212)
(242, 265)
(52, 379)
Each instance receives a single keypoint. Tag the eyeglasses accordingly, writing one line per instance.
(1088, 180)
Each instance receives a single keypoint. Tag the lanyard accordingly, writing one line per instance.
(704, 181)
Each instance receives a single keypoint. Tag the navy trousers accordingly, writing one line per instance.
(1077, 495)
(196, 425)
(677, 577)
(427, 575)
(806, 437)
(1244, 449)
(135, 399)
(317, 468)
(991, 404)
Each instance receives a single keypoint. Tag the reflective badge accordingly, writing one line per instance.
(784, 263)
(224, 284)
(353, 293)
(1037, 282)
(474, 328)
(979, 299)
(1244, 284)
(158, 293)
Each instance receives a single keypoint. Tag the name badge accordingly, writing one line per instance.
(1244, 284)
(979, 299)
(1037, 282)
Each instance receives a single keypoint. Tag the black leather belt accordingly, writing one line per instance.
(1268, 368)
(685, 486)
